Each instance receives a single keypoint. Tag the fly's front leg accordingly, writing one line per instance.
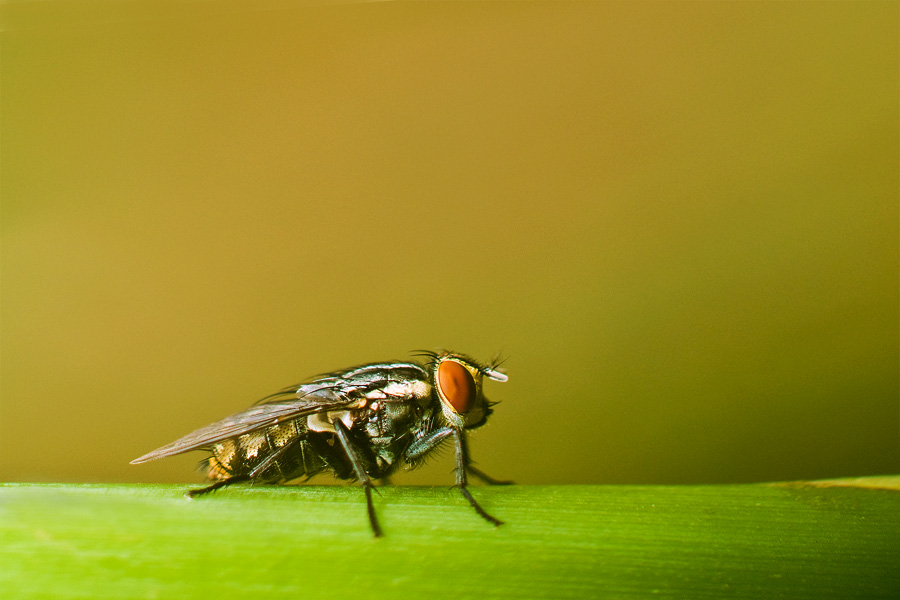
(426, 444)
(462, 466)
(343, 435)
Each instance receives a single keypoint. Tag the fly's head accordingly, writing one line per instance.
(457, 383)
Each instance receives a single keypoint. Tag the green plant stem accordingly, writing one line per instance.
(744, 541)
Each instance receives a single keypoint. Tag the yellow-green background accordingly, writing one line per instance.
(678, 220)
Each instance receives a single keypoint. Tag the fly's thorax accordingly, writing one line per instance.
(417, 390)
(390, 417)
(397, 400)
(324, 421)
(458, 386)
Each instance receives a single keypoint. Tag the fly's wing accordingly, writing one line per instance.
(255, 417)
(332, 391)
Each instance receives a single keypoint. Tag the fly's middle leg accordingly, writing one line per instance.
(343, 435)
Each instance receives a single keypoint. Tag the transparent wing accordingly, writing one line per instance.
(255, 417)
(332, 391)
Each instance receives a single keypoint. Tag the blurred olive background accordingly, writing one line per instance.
(679, 221)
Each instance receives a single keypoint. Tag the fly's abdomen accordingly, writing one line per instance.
(273, 454)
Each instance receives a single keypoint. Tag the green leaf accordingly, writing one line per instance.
(803, 540)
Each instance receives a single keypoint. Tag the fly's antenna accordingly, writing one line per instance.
(493, 370)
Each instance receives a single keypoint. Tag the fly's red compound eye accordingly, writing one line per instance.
(456, 385)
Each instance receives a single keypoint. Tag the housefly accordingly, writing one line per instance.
(359, 424)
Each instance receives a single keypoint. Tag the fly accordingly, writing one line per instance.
(359, 424)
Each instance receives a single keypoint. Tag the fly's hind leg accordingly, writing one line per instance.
(219, 484)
